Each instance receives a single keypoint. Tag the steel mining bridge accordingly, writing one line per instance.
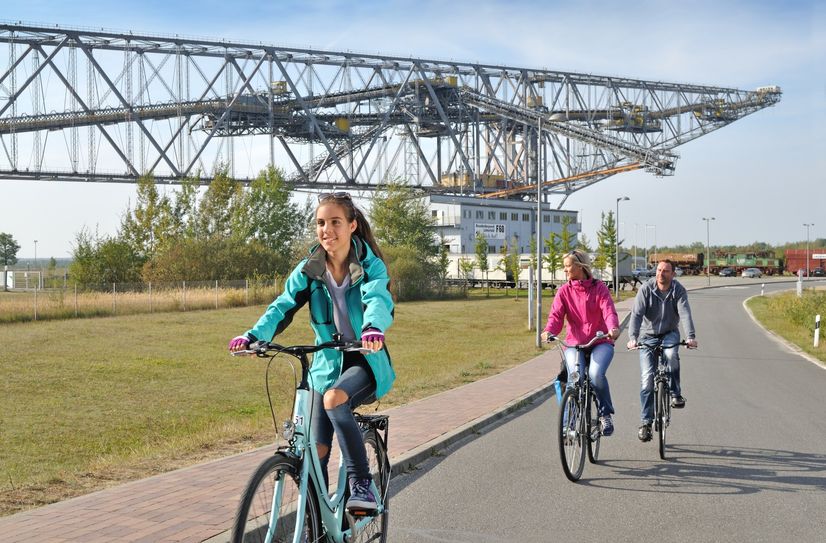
(80, 104)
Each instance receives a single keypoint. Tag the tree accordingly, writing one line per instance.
(99, 260)
(510, 263)
(606, 242)
(8, 254)
(443, 264)
(584, 244)
(481, 248)
(553, 258)
(399, 216)
(151, 222)
(221, 209)
(466, 269)
(567, 239)
(271, 218)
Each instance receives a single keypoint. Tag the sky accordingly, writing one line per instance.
(762, 177)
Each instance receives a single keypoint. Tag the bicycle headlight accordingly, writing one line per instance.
(575, 377)
(288, 430)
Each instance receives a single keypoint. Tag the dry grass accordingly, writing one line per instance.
(793, 318)
(59, 303)
(87, 403)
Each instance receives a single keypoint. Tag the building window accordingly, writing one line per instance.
(491, 248)
(492, 215)
(557, 219)
(514, 216)
(526, 217)
(480, 214)
(434, 213)
(465, 213)
(546, 218)
(503, 216)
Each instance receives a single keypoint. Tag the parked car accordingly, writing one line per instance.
(818, 272)
(727, 272)
(643, 273)
(678, 271)
(752, 272)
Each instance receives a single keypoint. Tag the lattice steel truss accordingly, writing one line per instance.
(182, 107)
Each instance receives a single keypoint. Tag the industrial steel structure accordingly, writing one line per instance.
(96, 105)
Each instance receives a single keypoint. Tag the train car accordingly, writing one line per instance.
(690, 263)
(796, 259)
(764, 261)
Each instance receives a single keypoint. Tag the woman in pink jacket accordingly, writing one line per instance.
(587, 306)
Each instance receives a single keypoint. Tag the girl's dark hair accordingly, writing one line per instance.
(352, 213)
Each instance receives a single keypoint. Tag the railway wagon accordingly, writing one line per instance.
(690, 263)
(765, 262)
(796, 259)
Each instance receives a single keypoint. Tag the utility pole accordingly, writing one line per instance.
(616, 254)
(708, 253)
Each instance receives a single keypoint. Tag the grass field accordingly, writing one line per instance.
(88, 403)
(793, 318)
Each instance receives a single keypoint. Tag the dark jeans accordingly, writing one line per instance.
(358, 383)
(648, 366)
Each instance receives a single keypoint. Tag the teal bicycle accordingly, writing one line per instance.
(286, 498)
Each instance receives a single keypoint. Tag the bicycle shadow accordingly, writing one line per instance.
(712, 469)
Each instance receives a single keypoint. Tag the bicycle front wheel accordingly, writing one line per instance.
(594, 429)
(380, 471)
(662, 421)
(572, 435)
(270, 505)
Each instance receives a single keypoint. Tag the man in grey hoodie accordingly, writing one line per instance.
(659, 308)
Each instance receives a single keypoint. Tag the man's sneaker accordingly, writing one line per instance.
(361, 499)
(677, 402)
(607, 425)
(645, 432)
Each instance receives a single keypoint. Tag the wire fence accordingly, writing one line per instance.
(72, 301)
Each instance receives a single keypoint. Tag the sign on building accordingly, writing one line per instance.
(490, 230)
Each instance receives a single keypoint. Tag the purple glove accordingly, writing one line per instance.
(371, 334)
(239, 343)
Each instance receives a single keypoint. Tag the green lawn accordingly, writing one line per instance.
(88, 403)
(793, 318)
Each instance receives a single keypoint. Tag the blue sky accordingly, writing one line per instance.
(761, 177)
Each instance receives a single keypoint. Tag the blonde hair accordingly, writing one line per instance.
(581, 259)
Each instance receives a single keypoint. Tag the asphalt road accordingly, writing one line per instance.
(747, 456)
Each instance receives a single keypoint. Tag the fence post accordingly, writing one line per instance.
(113, 298)
(75, 299)
(150, 296)
(35, 302)
(184, 295)
(216, 294)
(817, 330)
(246, 292)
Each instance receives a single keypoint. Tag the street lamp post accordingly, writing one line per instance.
(36, 267)
(616, 255)
(708, 250)
(807, 225)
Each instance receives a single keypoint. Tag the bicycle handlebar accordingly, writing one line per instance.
(598, 336)
(267, 348)
(681, 342)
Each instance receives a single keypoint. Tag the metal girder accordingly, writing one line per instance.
(476, 122)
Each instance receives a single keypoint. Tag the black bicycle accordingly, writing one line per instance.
(579, 428)
(662, 393)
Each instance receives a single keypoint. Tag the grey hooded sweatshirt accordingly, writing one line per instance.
(656, 313)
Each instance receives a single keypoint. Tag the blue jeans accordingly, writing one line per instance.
(601, 356)
(648, 366)
(358, 382)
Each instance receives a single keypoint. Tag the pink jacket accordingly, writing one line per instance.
(588, 307)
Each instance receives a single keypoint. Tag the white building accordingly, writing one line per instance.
(502, 222)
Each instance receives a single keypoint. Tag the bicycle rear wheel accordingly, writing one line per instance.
(572, 435)
(661, 421)
(270, 503)
(380, 471)
(594, 429)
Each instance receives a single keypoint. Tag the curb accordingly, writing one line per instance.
(408, 461)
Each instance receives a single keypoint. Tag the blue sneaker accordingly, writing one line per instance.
(362, 501)
(607, 425)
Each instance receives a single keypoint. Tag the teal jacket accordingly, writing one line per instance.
(369, 305)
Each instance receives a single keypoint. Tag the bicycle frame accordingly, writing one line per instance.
(302, 447)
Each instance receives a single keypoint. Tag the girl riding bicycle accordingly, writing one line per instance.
(345, 281)
(587, 306)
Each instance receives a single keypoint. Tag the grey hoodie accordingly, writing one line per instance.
(656, 313)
